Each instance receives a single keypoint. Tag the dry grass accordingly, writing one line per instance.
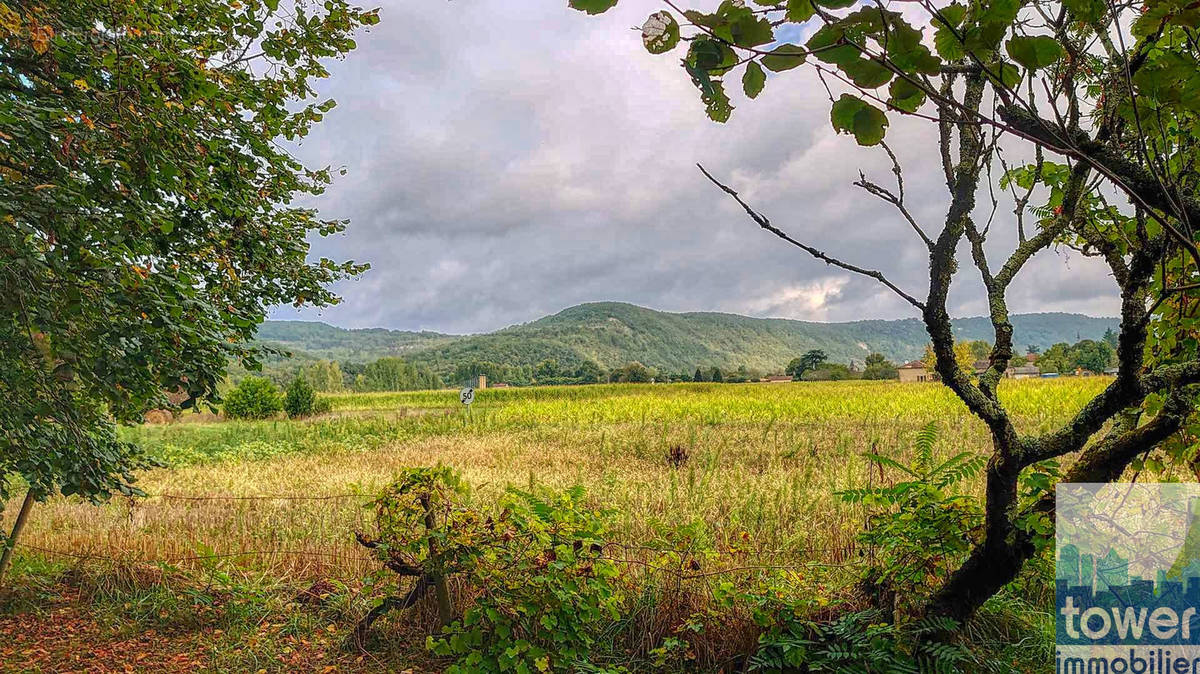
(762, 464)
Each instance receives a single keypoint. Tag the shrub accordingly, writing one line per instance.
(300, 399)
(546, 591)
(920, 528)
(254, 398)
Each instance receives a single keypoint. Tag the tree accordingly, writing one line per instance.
(811, 360)
(879, 367)
(589, 372)
(396, 374)
(147, 198)
(1094, 94)
(963, 357)
(253, 398)
(633, 373)
(323, 375)
(715, 375)
(699, 376)
(1033, 349)
(299, 400)
(979, 348)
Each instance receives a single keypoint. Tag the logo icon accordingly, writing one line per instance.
(1127, 579)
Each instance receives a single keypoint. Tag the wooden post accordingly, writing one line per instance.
(11, 543)
(445, 611)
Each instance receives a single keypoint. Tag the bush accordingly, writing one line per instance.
(300, 400)
(546, 589)
(254, 398)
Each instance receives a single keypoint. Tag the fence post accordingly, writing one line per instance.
(11, 543)
(445, 611)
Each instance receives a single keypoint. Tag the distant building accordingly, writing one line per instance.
(777, 378)
(481, 381)
(500, 384)
(915, 371)
(1024, 372)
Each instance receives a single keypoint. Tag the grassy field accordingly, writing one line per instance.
(762, 464)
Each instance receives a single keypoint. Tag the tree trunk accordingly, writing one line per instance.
(998, 559)
(441, 592)
(11, 543)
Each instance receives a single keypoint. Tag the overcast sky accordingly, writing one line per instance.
(509, 158)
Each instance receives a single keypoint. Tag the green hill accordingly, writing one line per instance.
(613, 333)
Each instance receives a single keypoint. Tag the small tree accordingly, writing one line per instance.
(879, 367)
(148, 200)
(254, 398)
(699, 376)
(716, 376)
(300, 400)
(1103, 88)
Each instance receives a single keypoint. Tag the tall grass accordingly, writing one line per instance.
(763, 461)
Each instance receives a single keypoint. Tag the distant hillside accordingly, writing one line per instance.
(326, 341)
(613, 333)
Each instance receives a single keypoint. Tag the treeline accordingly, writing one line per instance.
(1087, 355)
(384, 374)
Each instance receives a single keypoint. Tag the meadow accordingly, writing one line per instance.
(755, 468)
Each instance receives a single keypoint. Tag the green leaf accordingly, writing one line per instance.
(705, 54)
(867, 73)
(784, 57)
(271, 4)
(1086, 10)
(1034, 52)
(1004, 73)
(905, 95)
(829, 45)
(853, 115)
(954, 13)
(592, 6)
(753, 80)
(800, 11)
(835, 4)
(948, 39)
(660, 33)
(751, 31)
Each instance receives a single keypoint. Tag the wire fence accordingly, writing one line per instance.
(802, 556)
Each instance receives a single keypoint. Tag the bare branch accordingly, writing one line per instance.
(896, 199)
(762, 221)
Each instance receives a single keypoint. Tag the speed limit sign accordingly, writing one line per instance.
(466, 396)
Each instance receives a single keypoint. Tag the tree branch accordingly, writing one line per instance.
(762, 221)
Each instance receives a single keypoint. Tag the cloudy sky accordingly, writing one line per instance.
(509, 158)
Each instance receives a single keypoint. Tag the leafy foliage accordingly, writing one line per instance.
(253, 398)
(300, 400)
(546, 589)
(862, 642)
(919, 527)
(146, 200)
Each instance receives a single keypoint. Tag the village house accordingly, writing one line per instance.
(915, 371)
(777, 378)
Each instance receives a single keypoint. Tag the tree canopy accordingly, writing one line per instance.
(148, 203)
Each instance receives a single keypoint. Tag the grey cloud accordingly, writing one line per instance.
(508, 159)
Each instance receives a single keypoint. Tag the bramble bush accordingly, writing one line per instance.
(253, 398)
(545, 589)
